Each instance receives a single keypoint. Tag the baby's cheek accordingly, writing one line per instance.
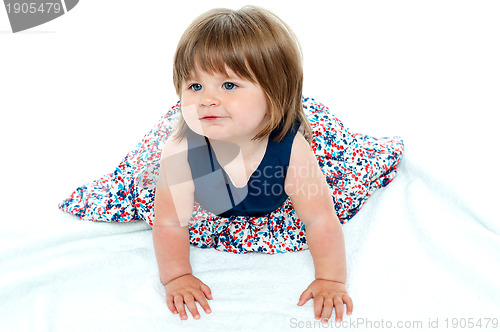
(190, 116)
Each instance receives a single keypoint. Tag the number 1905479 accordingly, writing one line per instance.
(32, 7)
(476, 323)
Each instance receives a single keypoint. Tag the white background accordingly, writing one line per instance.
(77, 93)
(80, 91)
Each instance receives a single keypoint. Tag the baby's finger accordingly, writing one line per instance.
(170, 304)
(339, 308)
(179, 305)
(206, 290)
(318, 306)
(189, 300)
(348, 303)
(202, 300)
(305, 296)
(327, 309)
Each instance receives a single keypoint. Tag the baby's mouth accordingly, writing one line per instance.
(211, 117)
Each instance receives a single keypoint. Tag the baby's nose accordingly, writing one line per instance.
(209, 98)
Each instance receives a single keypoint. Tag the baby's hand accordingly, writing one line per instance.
(186, 289)
(327, 294)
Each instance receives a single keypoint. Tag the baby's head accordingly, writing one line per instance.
(257, 46)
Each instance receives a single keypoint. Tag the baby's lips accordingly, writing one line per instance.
(26, 14)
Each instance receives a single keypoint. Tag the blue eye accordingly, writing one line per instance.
(229, 86)
(195, 87)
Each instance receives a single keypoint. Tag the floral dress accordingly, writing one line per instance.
(354, 165)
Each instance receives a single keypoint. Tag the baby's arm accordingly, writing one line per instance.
(312, 201)
(173, 208)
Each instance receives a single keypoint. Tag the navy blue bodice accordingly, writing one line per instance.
(265, 190)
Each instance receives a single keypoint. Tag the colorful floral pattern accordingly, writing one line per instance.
(355, 165)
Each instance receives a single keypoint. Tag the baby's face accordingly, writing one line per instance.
(226, 108)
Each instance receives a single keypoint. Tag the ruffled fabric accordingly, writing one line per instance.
(354, 165)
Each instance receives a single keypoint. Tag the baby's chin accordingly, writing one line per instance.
(215, 133)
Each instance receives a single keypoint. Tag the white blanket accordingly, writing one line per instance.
(423, 253)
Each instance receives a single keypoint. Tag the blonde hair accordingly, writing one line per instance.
(257, 46)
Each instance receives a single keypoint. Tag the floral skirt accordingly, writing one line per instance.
(354, 165)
